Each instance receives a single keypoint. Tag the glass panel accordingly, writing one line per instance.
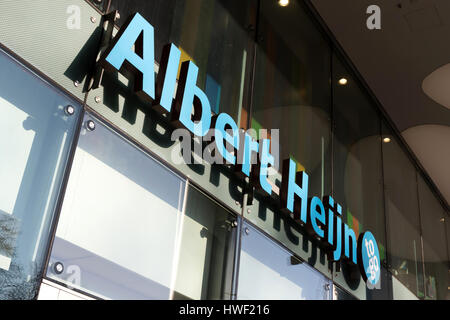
(432, 217)
(35, 139)
(207, 250)
(400, 292)
(339, 294)
(292, 91)
(120, 212)
(213, 34)
(269, 272)
(292, 94)
(289, 232)
(122, 234)
(357, 168)
(402, 214)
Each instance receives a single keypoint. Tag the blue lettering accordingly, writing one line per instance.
(338, 251)
(222, 122)
(250, 146)
(350, 234)
(259, 177)
(142, 60)
(290, 188)
(192, 109)
(317, 213)
(189, 94)
(167, 78)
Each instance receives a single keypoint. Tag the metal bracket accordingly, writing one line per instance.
(109, 20)
(250, 190)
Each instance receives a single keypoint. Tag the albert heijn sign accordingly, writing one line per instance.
(191, 109)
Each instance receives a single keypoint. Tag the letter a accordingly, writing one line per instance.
(140, 33)
(374, 21)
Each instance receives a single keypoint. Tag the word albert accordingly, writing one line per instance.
(133, 51)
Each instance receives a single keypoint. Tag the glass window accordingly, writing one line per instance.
(35, 139)
(206, 258)
(214, 34)
(267, 216)
(292, 91)
(400, 292)
(357, 167)
(402, 215)
(123, 234)
(432, 217)
(269, 272)
(116, 235)
(339, 294)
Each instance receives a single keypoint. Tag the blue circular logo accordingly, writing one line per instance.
(369, 258)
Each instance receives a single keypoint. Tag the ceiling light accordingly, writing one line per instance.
(343, 81)
(387, 140)
(283, 3)
(435, 86)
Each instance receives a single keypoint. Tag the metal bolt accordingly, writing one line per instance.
(76, 83)
(237, 203)
(247, 231)
(97, 99)
(93, 19)
(58, 268)
(234, 224)
(249, 211)
(90, 125)
(69, 110)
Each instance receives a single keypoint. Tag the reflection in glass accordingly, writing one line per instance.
(432, 217)
(211, 33)
(269, 272)
(339, 294)
(35, 138)
(290, 233)
(357, 169)
(292, 91)
(402, 215)
(118, 223)
(357, 156)
(400, 292)
(123, 234)
(207, 250)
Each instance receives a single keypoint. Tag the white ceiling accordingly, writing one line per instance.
(410, 53)
(436, 85)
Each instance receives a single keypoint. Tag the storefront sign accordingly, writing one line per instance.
(191, 110)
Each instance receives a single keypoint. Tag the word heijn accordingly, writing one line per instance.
(133, 50)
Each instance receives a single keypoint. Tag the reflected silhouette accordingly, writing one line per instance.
(84, 62)
(36, 134)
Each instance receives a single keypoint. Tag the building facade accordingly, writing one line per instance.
(97, 202)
